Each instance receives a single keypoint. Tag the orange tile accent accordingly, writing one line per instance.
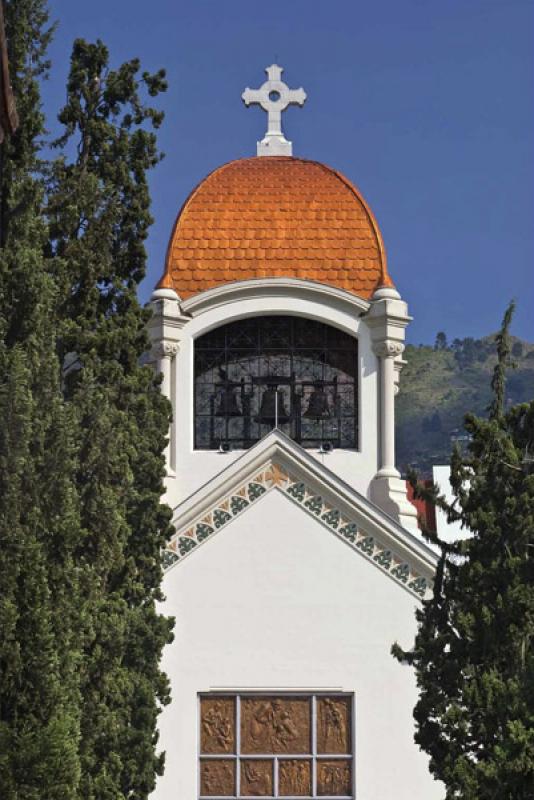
(275, 217)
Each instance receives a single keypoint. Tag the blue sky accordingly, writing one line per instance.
(426, 105)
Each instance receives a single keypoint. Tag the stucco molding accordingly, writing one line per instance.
(164, 349)
(265, 288)
(388, 348)
(279, 464)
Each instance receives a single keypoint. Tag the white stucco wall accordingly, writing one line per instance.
(276, 601)
(192, 468)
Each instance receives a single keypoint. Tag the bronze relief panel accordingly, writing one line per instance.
(256, 777)
(275, 725)
(294, 777)
(333, 725)
(276, 746)
(334, 777)
(217, 725)
(217, 778)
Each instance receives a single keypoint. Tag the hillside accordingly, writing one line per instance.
(439, 385)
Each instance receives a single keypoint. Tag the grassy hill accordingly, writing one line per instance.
(439, 386)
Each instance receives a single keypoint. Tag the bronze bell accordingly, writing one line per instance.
(267, 414)
(318, 404)
(228, 405)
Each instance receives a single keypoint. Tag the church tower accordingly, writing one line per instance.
(296, 561)
(276, 287)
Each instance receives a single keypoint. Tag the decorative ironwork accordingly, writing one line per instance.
(298, 374)
(283, 745)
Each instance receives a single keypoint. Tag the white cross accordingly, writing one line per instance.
(274, 97)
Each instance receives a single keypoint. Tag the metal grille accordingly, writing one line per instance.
(254, 373)
(276, 746)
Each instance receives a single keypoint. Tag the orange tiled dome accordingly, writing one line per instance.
(275, 217)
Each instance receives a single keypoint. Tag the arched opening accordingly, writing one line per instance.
(258, 373)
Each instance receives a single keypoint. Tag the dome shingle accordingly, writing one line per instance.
(275, 217)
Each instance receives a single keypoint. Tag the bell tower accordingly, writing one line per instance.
(276, 311)
(294, 560)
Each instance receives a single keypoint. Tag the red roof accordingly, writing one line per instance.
(426, 512)
(275, 217)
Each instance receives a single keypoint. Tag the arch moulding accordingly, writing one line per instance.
(278, 295)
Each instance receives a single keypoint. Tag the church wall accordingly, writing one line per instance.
(192, 469)
(276, 601)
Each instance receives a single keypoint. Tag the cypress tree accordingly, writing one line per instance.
(473, 654)
(98, 208)
(39, 657)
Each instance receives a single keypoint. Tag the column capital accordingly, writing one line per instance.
(167, 319)
(165, 349)
(388, 348)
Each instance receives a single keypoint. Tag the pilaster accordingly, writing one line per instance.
(387, 319)
(164, 330)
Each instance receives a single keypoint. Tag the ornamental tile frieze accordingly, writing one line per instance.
(273, 476)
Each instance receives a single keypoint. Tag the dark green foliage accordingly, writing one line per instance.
(39, 654)
(39, 708)
(498, 381)
(82, 431)
(99, 217)
(473, 653)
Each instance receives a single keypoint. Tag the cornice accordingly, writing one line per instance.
(265, 288)
(276, 462)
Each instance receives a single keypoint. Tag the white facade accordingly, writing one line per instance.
(281, 598)
(292, 570)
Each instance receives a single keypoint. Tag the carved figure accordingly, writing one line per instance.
(275, 725)
(260, 721)
(258, 778)
(285, 729)
(303, 778)
(295, 777)
(272, 724)
(217, 778)
(334, 727)
(217, 726)
(334, 778)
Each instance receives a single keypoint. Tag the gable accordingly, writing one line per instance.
(277, 464)
(275, 602)
(296, 580)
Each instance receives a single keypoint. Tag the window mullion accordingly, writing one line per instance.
(238, 745)
(314, 745)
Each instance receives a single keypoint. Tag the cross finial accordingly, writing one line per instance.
(274, 96)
